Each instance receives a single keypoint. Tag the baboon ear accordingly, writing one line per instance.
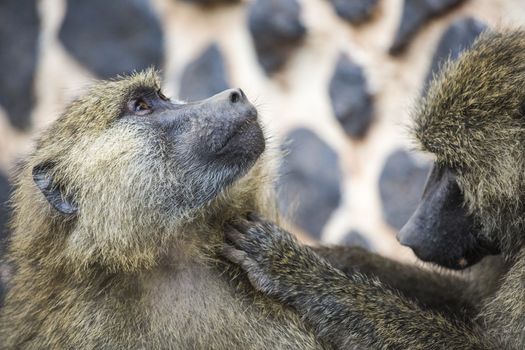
(53, 192)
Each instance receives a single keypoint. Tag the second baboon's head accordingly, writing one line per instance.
(124, 165)
(473, 122)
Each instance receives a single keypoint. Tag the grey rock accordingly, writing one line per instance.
(415, 14)
(354, 11)
(113, 37)
(351, 102)
(401, 184)
(355, 238)
(19, 30)
(458, 37)
(310, 182)
(205, 76)
(276, 29)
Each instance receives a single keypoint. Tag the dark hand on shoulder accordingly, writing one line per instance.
(275, 262)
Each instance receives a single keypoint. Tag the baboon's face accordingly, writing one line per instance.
(127, 169)
(145, 157)
(206, 145)
(473, 122)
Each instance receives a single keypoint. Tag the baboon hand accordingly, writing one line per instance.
(271, 257)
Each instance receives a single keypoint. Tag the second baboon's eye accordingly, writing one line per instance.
(139, 106)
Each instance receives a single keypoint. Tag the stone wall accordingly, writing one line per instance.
(333, 79)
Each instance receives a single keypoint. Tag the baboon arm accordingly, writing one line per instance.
(448, 294)
(504, 314)
(342, 309)
(346, 310)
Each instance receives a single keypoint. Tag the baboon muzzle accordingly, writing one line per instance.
(441, 230)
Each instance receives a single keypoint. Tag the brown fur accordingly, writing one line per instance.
(126, 272)
(473, 121)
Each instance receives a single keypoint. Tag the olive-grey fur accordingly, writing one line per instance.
(473, 121)
(129, 270)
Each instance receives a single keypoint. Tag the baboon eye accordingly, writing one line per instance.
(162, 96)
(139, 106)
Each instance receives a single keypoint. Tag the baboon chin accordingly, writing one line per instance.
(117, 227)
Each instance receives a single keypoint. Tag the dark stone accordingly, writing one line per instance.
(354, 11)
(19, 30)
(351, 102)
(415, 14)
(205, 76)
(459, 36)
(310, 181)
(401, 184)
(276, 28)
(355, 238)
(113, 37)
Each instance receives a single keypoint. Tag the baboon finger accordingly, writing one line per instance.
(234, 255)
(234, 236)
(242, 225)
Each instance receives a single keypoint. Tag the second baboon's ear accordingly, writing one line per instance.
(53, 192)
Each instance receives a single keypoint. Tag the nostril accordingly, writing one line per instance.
(235, 96)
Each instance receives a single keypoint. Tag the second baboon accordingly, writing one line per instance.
(117, 227)
(473, 121)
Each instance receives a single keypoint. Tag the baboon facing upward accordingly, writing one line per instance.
(473, 121)
(117, 227)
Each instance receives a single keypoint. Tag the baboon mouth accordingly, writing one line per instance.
(238, 131)
(466, 258)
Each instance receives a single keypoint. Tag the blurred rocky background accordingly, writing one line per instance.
(334, 81)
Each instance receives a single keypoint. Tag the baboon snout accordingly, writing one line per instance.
(231, 120)
(230, 110)
(441, 230)
(231, 98)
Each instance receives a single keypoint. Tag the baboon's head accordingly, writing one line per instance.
(473, 121)
(124, 165)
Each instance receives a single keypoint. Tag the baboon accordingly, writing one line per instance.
(118, 226)
(473, 122)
